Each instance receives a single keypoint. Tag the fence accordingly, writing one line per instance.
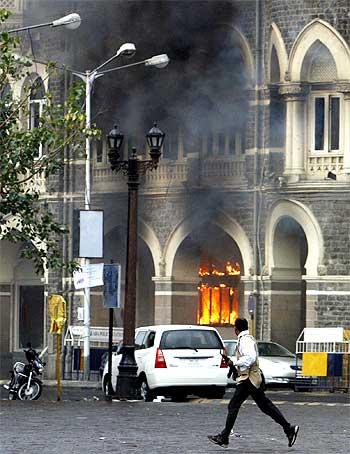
(72, 357)
(324, 355)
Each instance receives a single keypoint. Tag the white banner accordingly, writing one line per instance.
(88, 276)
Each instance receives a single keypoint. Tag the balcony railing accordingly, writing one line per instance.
(222, 172)
(15, 6)
(318, 166)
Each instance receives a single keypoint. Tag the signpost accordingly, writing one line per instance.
(111, 300)
(58, 314)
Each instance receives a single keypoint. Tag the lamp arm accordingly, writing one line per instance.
(122, 67)
(31, 27)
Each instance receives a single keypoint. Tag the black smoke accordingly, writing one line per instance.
(200, 91)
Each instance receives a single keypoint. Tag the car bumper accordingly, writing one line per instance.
(171, 377)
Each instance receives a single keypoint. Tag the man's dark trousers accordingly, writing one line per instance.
(243, 390)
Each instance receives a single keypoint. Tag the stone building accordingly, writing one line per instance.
(256, 213)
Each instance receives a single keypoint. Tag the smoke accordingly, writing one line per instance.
(200, 91)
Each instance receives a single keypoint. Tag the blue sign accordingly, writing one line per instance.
(111, 285)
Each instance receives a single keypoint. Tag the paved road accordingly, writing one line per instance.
(81, 424)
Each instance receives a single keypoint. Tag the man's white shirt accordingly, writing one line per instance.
(246, 349)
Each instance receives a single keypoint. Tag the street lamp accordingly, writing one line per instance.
(128, 50)
(72, 21)
(133, 168)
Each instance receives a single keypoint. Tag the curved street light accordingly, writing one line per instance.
(88, 77)
(71, 21)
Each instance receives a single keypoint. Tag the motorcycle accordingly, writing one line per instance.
(25, 383)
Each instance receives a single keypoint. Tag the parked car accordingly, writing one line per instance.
(277, 364)
(104, 358)
(176, 360)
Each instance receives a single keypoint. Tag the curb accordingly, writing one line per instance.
(68, 383)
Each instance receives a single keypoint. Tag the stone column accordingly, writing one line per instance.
(344, 87)
(162, 299)
(294, 94)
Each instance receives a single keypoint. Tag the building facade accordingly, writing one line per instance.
(250, 221)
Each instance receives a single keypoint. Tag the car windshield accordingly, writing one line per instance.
(272, 349)
(195, 339)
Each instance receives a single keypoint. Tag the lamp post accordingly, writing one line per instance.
(128, 50)
(133, 168)
(72, 21)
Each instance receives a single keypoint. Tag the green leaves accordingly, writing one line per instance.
(27, 156)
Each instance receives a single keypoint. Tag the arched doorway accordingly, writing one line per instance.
(209, 263)
(115, 251)
(288, 296)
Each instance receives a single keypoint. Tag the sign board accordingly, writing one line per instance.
(89, 276)
(58, 313)
(323, 334)
(251, 303)
(91, 234)
(111, 289)
(74, 335)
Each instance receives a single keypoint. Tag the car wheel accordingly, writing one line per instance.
(146, 394)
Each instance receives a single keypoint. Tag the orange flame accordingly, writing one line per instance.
(218, 304)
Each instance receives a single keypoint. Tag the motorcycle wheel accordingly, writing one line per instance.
(33, 393)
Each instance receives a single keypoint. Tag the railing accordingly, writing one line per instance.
(221, 171)
(318, 166)
(15, 6)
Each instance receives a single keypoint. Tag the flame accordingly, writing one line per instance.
(230, 270)
(218, 304)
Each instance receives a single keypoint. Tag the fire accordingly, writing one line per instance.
(218, 294)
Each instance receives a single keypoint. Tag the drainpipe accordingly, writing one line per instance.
(256, 194)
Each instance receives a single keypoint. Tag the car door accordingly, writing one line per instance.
(145, 353)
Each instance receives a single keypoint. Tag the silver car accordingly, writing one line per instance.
(277, 364)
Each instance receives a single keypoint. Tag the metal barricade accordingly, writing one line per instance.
(73, 361)
(325, 363)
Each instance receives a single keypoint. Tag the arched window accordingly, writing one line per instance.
(36, 105)
(325, 104)
(277, 104)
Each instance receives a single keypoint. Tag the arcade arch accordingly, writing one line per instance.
(293, 251)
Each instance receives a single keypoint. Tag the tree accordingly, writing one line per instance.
(28, 153)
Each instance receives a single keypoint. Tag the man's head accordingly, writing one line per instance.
(240, 325)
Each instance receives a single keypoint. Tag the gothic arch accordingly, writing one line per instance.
(147, 234)
(246, 54)
(277, 42)
(319, 30)
(36, 70)
(222, 220)
(305, 218)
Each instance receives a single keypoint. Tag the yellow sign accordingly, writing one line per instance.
(314, 364)
(58, 313)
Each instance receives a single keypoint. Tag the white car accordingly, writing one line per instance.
(277, 364)
(176, 360)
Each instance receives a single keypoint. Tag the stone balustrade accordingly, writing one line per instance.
(319, 165)
(221, 171)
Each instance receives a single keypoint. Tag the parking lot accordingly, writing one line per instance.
(83, 422)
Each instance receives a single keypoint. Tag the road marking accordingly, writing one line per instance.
(277, 402)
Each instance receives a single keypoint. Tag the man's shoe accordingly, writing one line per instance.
(292, 435)
(218, 440)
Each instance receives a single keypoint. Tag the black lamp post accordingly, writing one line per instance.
(127, 383)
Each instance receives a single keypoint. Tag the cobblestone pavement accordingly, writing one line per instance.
(81, 424)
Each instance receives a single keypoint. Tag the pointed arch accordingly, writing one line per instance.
(276, 41)
(246, 54)
(306, 219)
(146, 233)
(222, 220)
(319, 30)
